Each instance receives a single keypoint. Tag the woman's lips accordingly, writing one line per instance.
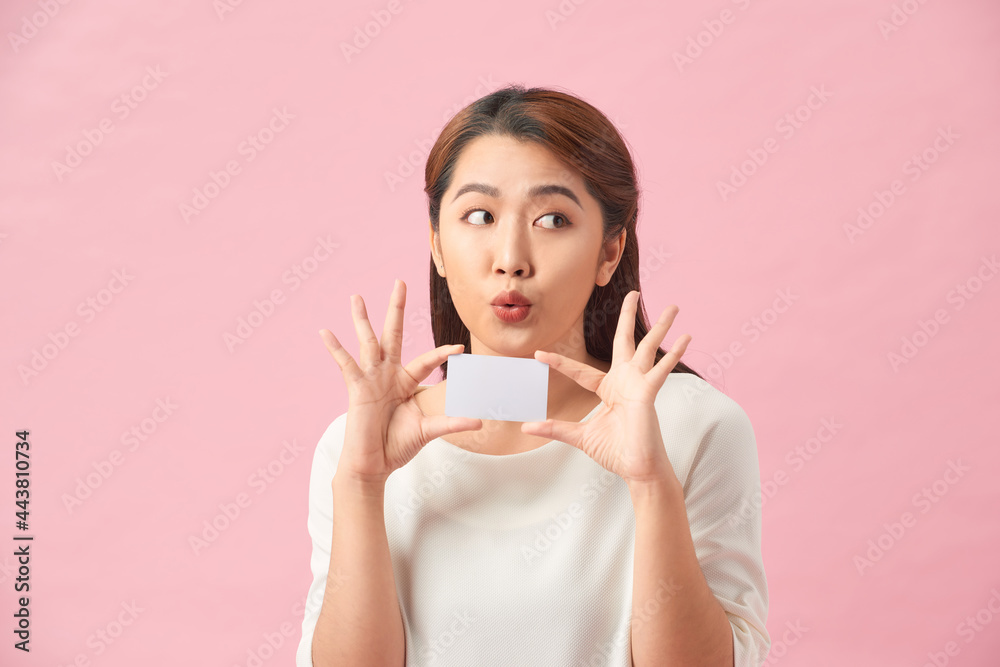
(511, 314)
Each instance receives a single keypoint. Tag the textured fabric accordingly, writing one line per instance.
(526, 559)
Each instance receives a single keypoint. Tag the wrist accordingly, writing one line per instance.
(662, 488)
(350, 485)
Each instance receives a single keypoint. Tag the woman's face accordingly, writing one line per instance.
(496, 234)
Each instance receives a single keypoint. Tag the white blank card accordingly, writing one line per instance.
(486, 386)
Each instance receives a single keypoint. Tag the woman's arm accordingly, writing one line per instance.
(700, 539)
(676, 618)
(360, 621)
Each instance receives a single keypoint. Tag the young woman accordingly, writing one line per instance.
(624, 529)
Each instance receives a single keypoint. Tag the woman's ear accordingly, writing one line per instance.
(435, 241)
(611, 254)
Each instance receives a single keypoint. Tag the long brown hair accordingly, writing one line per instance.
(584, 139)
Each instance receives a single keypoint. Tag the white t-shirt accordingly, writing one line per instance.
(526, 559)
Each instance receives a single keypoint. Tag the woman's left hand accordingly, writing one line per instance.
(624, 436)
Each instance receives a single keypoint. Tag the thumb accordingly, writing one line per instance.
(438, 425)
(569, 432)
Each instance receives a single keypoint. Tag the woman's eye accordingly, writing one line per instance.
(473, 217)
(472, 214)
(563, 222)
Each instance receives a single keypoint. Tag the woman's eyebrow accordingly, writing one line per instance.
(537, 191)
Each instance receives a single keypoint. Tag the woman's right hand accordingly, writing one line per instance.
(385, 428)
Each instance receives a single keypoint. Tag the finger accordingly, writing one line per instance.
(341, 356)
(371, 353)
(392, 330)
(569, 432)
(624, 344)
(662, 369)
(645, 354)
(585, 375)
(438, 425)
(424, 365)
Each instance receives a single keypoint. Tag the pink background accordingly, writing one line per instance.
(64, 234)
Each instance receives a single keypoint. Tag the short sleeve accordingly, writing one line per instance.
(320, 525)
(722, 498)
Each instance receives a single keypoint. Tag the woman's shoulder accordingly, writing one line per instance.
(695, 416)
(685, 395)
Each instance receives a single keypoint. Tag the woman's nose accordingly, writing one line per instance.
(511, 254)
